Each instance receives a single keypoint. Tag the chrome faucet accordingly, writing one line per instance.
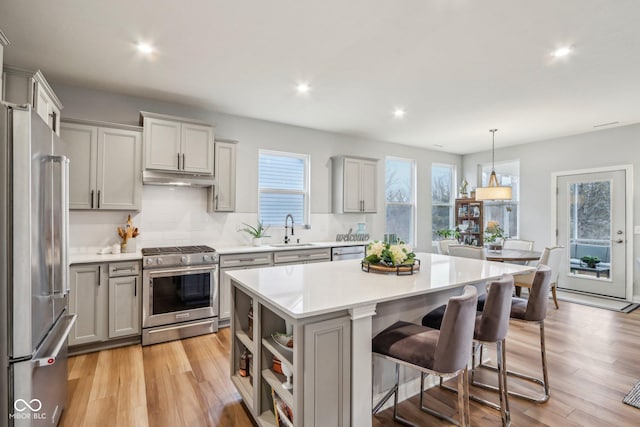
(286, 221)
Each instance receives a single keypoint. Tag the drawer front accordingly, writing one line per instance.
(117, 269)
(309, 255)
(246, 260)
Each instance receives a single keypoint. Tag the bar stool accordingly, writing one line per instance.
(532, 310)
(441, 352)
(490, 327)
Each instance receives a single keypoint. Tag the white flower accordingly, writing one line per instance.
(398, 255)
(376, 249)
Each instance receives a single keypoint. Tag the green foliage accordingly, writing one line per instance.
(591, 261)
(258, 231)
(448, 233)
(493, 233)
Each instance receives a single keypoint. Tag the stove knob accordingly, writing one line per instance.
(160, 261)
(206, 258)
(149, 261)
(185, 260)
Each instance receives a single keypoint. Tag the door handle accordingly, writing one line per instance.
(619, 241)
(178, 161)
(98, 199)
(92, 199)
(50, 359)
(184, 161)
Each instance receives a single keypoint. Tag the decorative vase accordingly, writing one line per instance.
(257, 241)
(128, 246)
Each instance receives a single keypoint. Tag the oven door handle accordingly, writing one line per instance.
(180, 270)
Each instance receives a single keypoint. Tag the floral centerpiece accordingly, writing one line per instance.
(494, 235)
(383, 256)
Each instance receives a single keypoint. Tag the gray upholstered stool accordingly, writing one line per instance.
(490, 327)
(532, 310)
(441, 352)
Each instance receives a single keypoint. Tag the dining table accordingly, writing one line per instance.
(511, 255)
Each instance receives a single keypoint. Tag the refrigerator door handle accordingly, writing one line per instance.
(50, 358)
(63, 226)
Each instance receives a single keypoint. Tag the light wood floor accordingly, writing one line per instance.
(593, 355)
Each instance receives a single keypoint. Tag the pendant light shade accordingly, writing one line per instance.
(493, 190)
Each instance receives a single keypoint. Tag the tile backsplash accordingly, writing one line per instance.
(178, 216)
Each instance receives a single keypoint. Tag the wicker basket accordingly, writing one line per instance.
(400, 270)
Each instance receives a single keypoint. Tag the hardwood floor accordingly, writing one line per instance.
(593, 357)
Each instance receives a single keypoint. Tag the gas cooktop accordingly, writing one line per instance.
(176, 250)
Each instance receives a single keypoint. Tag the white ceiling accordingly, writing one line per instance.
(458, 67)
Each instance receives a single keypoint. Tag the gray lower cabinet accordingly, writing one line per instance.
(106, 297)
(237, 262)
(303, 256)
(320, 363)
(124, 306)
(88, 296)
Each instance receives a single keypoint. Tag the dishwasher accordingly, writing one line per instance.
(347, 252)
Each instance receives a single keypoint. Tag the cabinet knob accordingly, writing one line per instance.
(184, 259)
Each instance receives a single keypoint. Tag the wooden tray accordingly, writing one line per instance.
(400, 270)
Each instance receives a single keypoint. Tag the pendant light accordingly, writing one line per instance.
(493, 191)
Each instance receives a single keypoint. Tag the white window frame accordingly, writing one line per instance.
(515, 192)
(453, 191)
(414, 197)
(307, 183)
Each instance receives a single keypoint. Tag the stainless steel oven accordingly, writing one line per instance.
(180, 293)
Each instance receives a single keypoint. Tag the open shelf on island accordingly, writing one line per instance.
(267, 419)
(284, 356)
(243, 384)
(275, 381)
(245, 340)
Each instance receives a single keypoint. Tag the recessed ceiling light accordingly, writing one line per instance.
(145, 48)
(562, 51)
(303, 88)
(399, 113)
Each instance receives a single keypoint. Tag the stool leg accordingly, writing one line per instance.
(502, 383)
(555, 297)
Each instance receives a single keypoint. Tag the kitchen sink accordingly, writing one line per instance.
(286, 245)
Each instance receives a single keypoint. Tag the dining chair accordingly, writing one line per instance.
(443, 352)
(466, 251)
(551, 257)
(491, 326)
(523, 245)
(443, 245)
(532, 310)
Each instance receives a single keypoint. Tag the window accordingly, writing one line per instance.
(400, 198)
(443, 178)
(504, 212)
(283, 187)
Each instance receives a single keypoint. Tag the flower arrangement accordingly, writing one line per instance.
(493, 232)
(391, 255)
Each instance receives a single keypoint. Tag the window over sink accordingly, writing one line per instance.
(443, 179)
(400, 198)
(283, 187)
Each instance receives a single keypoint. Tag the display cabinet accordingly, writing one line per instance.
(470, 222)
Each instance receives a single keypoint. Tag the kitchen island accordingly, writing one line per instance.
(332, 310)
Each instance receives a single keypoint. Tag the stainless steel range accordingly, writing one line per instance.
(180, 293)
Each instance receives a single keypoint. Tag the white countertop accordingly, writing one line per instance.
(88, 257)
(312, 289)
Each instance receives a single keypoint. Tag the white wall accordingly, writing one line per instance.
(177, 215)
(610, 147)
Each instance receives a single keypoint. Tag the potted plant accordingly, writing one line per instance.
(494, 234)
(257, 232)
(591, 261)
(448, 233)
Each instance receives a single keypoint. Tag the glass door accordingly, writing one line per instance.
(591, 227)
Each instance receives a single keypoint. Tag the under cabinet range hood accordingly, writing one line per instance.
(151, 177)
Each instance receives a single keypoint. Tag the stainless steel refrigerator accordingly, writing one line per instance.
(34, 270)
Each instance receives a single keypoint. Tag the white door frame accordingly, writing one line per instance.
(628, 213)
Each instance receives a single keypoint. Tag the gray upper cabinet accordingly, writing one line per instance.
(175, 144)
(224, 199)
(21, 86)
(354, 184)
(105, 169)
